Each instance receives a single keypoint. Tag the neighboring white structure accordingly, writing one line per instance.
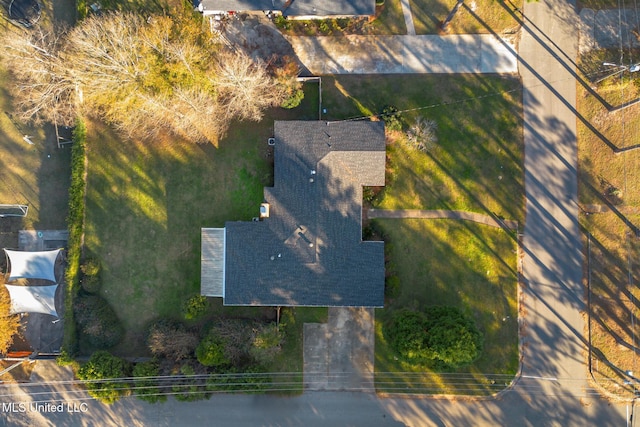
(33, 299)
(32, 265)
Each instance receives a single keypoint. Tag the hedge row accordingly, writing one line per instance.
(75, 223)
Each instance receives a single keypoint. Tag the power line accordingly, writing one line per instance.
(377, 375)
(464, 100)
(457, 383)
(200, 388)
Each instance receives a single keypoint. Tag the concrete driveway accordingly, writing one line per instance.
(405, 54)
(338, 355)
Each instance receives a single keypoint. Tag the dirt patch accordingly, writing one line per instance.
(257, 36)
(614, 312)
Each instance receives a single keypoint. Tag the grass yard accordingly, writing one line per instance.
(606, 176)
(474, 17)
(389, 19)
(147, 202)
(35, 175)
(610, 182)
(475, 166)
(466, 265)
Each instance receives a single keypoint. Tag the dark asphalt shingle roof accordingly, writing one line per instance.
(310, 251)
(331, 8)
(296, 7)
(242, 5)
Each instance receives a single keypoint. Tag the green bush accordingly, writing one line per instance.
(391, 117)
(323, 27)
(267, 343)
(170, 339)
(146, 388)
(195, 307)
(294, 100)
(392, 286)
(281, 22)
(97, 322)
(91, 276)
(75, 222)
(442, 336)
(251, 380)
(211, 351)
(190, 388)
(406, 334)
(103, 366)
(453, 337)
(65, 359)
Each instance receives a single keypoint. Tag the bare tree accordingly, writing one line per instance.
(143, 76)
(245, 87)
(43, 89)
(422, 134)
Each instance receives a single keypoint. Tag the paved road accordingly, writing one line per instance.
(554, 342)
(525, 407)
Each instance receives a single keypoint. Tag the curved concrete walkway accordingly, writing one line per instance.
(492, 221)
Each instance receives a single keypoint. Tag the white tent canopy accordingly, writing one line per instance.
(32, 265)
(33, 299)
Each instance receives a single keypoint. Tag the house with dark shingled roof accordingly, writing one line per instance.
(306, 247)
(294, 9)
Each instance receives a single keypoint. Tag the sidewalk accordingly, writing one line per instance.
(493, 221)
(405, 54)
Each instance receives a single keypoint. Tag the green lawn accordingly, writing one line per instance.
(35, 175)
(147, 202)
(477, 164)
(389, 19)
(466, 265)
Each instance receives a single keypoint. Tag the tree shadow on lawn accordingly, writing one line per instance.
(146, 204)
(612, 272)
(483, 161)
(436, 270)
